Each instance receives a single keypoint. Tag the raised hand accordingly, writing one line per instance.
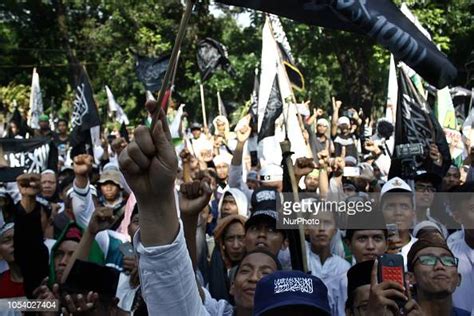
(435, 155)
(193, 197)
(150, 165)
(102, 218)
(303, 166)
(80, 304)
(29, 184)
(243, 129)
(83, 164)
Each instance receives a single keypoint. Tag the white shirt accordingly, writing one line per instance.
(463, 297)
(405, 249)
(329, 273)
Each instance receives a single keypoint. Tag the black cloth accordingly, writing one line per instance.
(219, 283)
(31, 254)
(349, 142)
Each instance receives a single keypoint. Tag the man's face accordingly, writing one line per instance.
(452, 178)
(265, 236)
(321, 235)
(424, 194)
(312, 182)
(44, 125)
(234, 241)
(367, 244)
(220, 127)
(62, 127)
(48, 184)
(222, 171)
(436, 281)
(62, 256)
(6, 246)
(251, 270)
(321, 129)
(398, 209)
(229, 207)
(110, 191)
(361, 299)
(196, 133)
(133, 226)
(345, 129)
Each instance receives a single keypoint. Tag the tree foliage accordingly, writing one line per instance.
(103, 35)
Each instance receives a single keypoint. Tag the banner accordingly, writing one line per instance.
(26, 156)
(415, 124)
(380, 20)
(151, 71)
(212, 56)
(36, 102)
(446, 115)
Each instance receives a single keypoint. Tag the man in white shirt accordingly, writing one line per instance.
(396, 200)
(463, 249)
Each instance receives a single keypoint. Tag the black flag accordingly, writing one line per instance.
(151, 71)
(381, 20)
(85, 117)
(27, 155)
(416, 124)
(124, 132)
(273, 110)
(211, 56)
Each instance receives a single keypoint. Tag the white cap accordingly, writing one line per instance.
(426, 225)
(271, 173)
(350, 161)
(323, 122)
(395, 184)
(343, 120)
(220, 159)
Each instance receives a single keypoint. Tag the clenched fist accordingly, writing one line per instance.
(29, 184)
(83, 165)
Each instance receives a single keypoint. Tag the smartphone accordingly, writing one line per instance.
(351, 172)
(127, 249)
(87, 276)
(391, 268)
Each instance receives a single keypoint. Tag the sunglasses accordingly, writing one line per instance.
(430, 260)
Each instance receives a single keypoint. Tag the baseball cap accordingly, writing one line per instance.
(343, 120)
(264, 203)
(433, 178)
(323, 122)
(43, 118)
(290, 288)
(110, 176)
(423, 243)
(395, 185)
(270, 173)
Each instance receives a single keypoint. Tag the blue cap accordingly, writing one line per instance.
(290, 288)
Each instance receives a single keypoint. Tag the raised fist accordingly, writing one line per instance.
(193, 197)
(83, 165)
(29, 184)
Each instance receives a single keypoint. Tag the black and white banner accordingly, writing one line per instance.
(27, 156)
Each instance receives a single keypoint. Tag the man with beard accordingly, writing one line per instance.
(45, 129)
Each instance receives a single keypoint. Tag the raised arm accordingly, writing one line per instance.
(150, 164)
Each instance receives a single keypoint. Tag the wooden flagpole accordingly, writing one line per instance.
(203, 106)
(174, 56)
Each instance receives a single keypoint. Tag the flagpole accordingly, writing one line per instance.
(203, 107)
(219, 103)
(174, 75)
(174, 56)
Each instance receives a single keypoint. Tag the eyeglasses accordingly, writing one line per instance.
(429, 260)
(424, 188)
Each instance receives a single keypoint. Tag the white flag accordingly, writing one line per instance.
(120, 115)
(271, 66)
(36, 102)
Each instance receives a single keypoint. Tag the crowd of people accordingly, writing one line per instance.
(150, 226)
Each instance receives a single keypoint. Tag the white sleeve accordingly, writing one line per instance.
(82, 204)
(236, 181)
(167, 278)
